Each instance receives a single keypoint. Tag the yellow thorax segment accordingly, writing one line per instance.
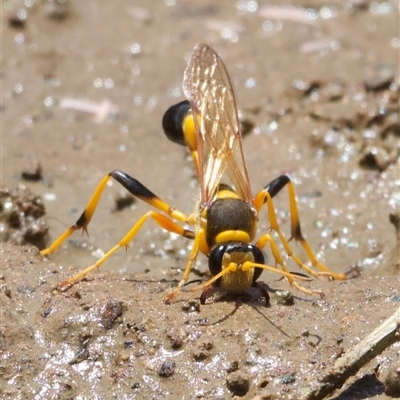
(232, 236)
(227, 194)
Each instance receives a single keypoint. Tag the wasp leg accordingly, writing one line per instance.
(279, 260)
(134, 187)
(265, 196)
(200, 236)
(160, 219)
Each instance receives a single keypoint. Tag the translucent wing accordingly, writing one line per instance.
(208, 88)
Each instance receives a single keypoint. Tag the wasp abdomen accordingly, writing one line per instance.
(172, 122)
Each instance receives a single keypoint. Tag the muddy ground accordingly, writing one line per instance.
(317, 88)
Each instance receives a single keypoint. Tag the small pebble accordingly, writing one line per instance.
(375, 158)
(114, 309)
(238, 383)
(167, 369)
(192, 305)
(392, 382)
(201, 354)
(46, 312)
(288, 378)
(233, 366)
(176, 341)
(17, 20)
(379, 82)
(135, 385)
(33, 172)
(284, 298)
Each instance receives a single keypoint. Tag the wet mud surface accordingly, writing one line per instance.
(112, 337)
(85, 85)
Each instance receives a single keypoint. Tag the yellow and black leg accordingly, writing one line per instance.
(141, 192)
(159, 218)
(267, 238)
(265, 196)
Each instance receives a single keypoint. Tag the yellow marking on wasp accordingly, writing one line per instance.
(232, 236)
(238, 279)
(227, 194)
(189, 131)
(203, 245)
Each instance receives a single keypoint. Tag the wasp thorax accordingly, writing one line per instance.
(230, 215)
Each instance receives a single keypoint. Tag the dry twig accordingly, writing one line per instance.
(351, 362)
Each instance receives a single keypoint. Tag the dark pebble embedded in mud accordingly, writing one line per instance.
(232, 367)
(176, 341)
(379, 82)
(17, 20)
(135, 385)
(305, 88)
(46, 312)
(81, 355)
(392, 382)
(375, 158)
(114, 309)
(246, 126)
(22, 217)
(203, 351)
(208, 345)
(167, 369)
(288, 378)
(394, 219)
(6, 290)
(192, 305)
(201, 354)
(136, 327)
(33, 172)
(238, 383)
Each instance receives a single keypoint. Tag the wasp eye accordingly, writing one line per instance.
(259, 259)
(257, 254)
(215, 259)
(172, 122)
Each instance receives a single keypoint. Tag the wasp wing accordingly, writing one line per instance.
(208, 88)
